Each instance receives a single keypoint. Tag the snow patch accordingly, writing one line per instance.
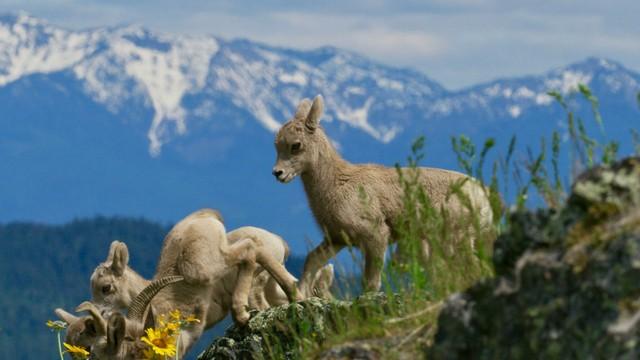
(29, 47)
(568, 81)
(524, 93)
(297, 78)
(515, 111)
(493, 90)
(389, 84)
(607, 65)
(167, 77)
(358, 117)
(543, 99)
(354, 90)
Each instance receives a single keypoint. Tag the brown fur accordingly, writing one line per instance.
(334, 186)
(81, 330)
(114, 284)
(197, 249)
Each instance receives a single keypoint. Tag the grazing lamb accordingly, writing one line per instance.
(114, 284)
(84, 330)
(195, 260)
(334, 189)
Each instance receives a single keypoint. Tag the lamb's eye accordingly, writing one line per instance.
(106, 289)
(295, 147)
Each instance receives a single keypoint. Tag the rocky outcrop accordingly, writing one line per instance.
(567, 282)
(281, 332)
(276, 330)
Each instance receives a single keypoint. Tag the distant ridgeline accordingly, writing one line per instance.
(47, 266)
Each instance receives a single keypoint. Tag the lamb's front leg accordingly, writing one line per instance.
(374, 251)
(240, 297)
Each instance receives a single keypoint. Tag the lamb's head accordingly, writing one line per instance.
(84, 331)
(122, 339)
(297, 142)
(111, 281)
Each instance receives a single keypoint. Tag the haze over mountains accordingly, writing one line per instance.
(131, 122)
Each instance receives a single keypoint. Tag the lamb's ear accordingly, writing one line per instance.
(313, 118)
(65, 316)
(115, 333)
(303, 109)
(112, 249)
(120, 259)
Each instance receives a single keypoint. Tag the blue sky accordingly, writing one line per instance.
(456, 42)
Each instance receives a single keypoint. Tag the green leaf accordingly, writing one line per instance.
(558, 97)
(593, 100)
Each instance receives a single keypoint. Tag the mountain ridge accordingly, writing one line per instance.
(119, 64)
(157, 125)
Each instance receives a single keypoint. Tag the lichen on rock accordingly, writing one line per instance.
(567, 282)
(275, 330)
(280, 332)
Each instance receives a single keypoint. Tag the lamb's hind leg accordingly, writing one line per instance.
(259, 288)
(316, 259)
(240, 299)
(250, 250)
(283, 277)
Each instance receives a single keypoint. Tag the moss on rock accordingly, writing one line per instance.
(567, 284)
(277, 331)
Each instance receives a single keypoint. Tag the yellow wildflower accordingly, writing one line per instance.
(161, 342)
(175, 315)
(191, 318)
(171, 327)
(162, 322)
(57, 325)
(148, 354)
(77, 352)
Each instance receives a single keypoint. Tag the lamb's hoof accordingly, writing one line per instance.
(242, 318)
(297, 294)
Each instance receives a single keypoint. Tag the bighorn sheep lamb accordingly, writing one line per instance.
(334, 189)
(84, 330)
(115, 284)
(194, 260)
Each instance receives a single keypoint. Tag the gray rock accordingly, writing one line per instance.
(567, 284)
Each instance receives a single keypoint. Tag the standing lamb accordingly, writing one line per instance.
(334, 189)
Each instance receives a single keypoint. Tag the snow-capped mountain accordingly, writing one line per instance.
(127, 121)
(512, 97)
(120, 64)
